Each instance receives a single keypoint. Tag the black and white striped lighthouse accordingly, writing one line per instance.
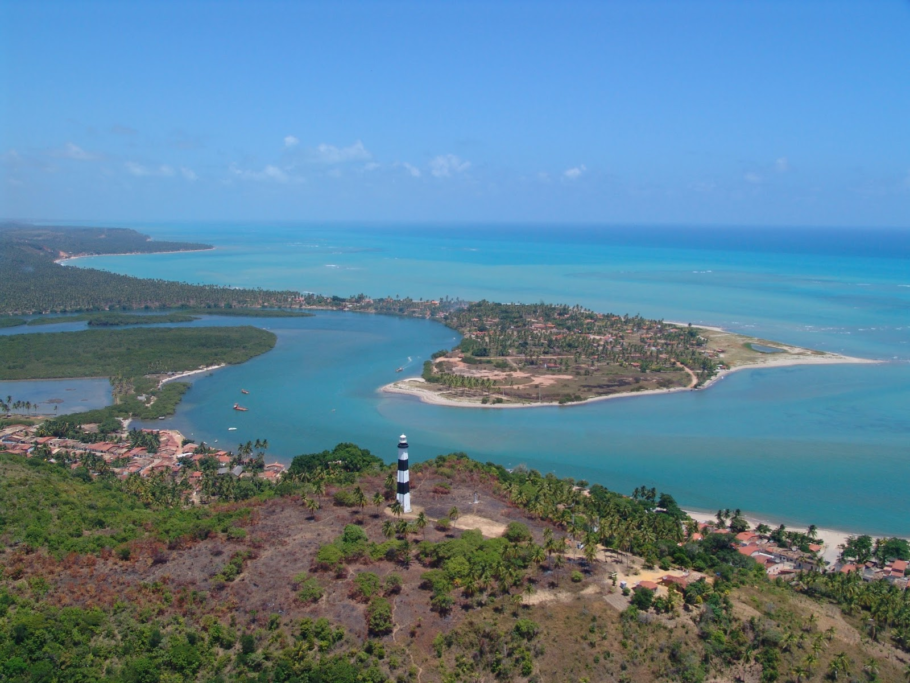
(404, 481)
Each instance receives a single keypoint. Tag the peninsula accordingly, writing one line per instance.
(515, 355)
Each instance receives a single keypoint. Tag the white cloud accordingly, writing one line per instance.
(139, 170)
(269, 173)
(543, 177)
(188, 173)
(446, 165)
(372, 166)
(752, 178)
(413, 170)
(575, 172)
(71, 151)
(291, 141)
(782, 165)
(329, 154)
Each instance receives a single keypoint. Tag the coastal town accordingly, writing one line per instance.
(144, 453)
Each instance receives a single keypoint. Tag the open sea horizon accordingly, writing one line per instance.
(827, 445)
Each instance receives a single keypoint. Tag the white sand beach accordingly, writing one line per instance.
(412, 385)
(189, 373)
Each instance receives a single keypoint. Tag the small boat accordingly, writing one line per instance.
(244, 391)
(239, 407)
(400, 370)
(232, 429)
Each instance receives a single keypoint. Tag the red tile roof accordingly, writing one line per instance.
(748, 550)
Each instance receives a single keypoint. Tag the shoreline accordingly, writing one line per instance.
(433, 398)
(63, 259)
(190, 373)
(829, 538)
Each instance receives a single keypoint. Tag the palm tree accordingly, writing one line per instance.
(388, 528)
(453, 513)
(421, 522)
(360, 498)
(397, 508)
(378, 501)
(311, 505)
(839, 664)
(872, 668)
(800, 672)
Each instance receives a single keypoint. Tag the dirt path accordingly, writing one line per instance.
(691, 374)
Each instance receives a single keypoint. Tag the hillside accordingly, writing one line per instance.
(313, 581)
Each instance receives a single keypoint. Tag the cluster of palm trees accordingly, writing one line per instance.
(513, 330)
(462, 381)
(885, 606)
(158, 490)
(11, 406)
(620, 526)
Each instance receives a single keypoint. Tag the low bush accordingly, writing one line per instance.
(379, 617)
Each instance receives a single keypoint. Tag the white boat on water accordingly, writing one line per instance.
(232, 429)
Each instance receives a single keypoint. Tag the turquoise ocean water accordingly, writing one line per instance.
(828, 445)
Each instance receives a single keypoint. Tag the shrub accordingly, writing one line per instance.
(345, 498)
(441, 602)
(235, 533)
(392, 584)
(443, 524)
(310, 591)
(379, 617)
(525, 628)
(436, 581)
(576, 576)
(329, 557)
(366, 586)
(353, 542)
(247, 644)
(234, 566)
(642, 598)
(517, 532)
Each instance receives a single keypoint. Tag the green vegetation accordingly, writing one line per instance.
(46, 506)
(113, 319)
(33, 283)
(127, 353)
(57, 240)
(126, 356)
(11, 322)
(345, 458)
(566, 354)
(98, 582)
(247, 312)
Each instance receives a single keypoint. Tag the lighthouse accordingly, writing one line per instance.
(404, 481)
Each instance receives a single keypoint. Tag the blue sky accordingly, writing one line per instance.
(732, 113)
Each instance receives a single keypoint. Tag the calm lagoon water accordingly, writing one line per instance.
(66, 395)
(828, 445)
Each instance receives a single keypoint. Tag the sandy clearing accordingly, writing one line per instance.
(487, 527)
